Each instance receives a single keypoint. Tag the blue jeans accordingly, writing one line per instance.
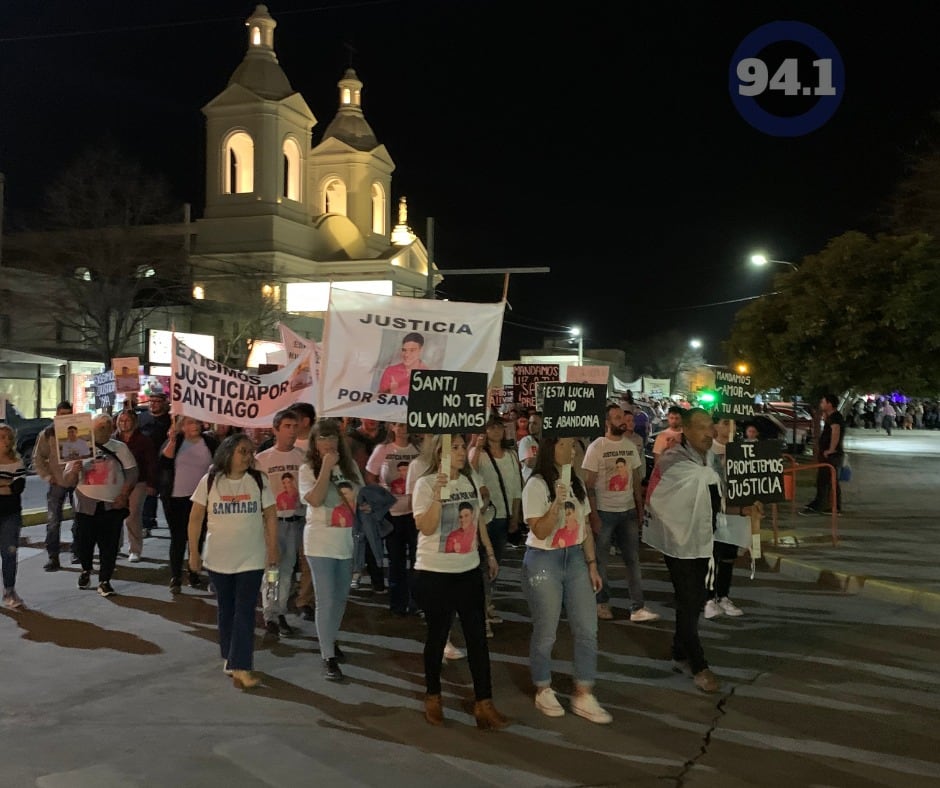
(551, 578)
(331, 578)
(236, 596)
(10, 525)
(55, 500)
(622, 528)
(288, 536)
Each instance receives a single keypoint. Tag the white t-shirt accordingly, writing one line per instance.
(391, 463)
(512, 479)
(572, 524)
(283, 471)
(328, 532)
(234, 522)
(452, 548)
(614, 462)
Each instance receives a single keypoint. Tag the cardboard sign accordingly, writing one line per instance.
(736, 395)
(524, 378)
(573, 410)
(594, 374)
(442, 402)
(74, 436)
(126, 373)
(755, 472)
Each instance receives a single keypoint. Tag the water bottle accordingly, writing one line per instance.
(272, 579)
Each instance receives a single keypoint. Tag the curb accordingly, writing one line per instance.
(39, 516)
(847, 583)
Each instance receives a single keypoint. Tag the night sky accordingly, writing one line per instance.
(598, 139)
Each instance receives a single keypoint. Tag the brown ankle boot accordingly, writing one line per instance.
(433, 712)
(487, 717)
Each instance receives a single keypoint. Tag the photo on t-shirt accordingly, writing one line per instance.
(458, 527)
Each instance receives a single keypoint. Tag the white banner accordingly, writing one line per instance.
(212, 392)
(620, 387)
(372, 342)
(657, 388)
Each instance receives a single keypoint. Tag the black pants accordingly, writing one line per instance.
(177, 511)
(103, 528)
(440, 595)
(688, 582)
(725, 555)
(823, 500)
(402, 546)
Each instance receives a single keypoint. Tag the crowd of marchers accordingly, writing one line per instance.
(288, 523)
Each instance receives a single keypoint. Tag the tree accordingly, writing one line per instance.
(860, 315)
(665, 354)
(113, 264)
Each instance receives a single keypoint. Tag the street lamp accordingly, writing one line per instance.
(695, 344)
(576, 332)
(762, 260)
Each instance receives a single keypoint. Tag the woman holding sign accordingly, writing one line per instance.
(449, 581)
(560, 568)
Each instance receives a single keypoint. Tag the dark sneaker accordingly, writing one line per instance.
(104, 588)
(52, 565)
(176, 587)
(340, 656)
(331, 671)
(309, 613)
(809, 511)
(84, 580)
(285, 629)
(195, 581)
(75, 559)
(271, 630)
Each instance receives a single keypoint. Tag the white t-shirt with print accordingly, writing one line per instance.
(450, 549)
(328, 531)
(528, 448)
(234, 522)
(391, 463)
(572, 525)
(104, 476)
(614, 491)
(276, 464)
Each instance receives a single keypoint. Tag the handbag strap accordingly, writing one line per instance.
(499, 477)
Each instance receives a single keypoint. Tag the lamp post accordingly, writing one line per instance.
(762, 260)
(576, 332)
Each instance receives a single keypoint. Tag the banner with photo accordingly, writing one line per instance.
(296, 346)
(212, 392)
(372, 342)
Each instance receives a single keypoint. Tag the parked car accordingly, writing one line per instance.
(784, 412)
(27, 431)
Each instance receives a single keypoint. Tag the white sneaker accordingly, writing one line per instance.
(712, 610)
(729, 608)
(354, 583)
(644, 614)
(133, 558)
(452, 652)
(587, 706)
(12, 600)
(547, 703)
(492, 617)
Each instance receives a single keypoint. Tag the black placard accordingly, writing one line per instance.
(524, 378)
(573, 410)
(755, 472)
(735, 394)
(443, 403)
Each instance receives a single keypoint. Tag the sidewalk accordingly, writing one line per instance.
(888, 539)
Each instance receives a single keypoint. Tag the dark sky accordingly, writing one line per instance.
(598, 139)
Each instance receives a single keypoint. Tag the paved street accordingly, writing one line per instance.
(825, 683)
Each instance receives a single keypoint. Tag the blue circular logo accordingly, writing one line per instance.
(786, 79)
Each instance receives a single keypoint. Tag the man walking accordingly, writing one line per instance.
(614, 481)
(156, 426)
(47, 465)
(682, 500)
(282, 465)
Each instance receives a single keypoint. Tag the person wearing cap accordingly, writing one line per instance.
(50, 469)
(155, 426)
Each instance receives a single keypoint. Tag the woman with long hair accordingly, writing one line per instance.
(449, 581)
(328, 535)
(240, 515)
(12, 484)
(560, 569)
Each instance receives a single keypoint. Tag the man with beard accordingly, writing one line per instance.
(616, 509)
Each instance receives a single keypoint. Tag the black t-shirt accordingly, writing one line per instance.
(826, 438)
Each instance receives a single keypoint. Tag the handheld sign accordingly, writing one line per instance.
(442, 402)
(754, 472)
(735, 395)
(524, 378)
(573, 410)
